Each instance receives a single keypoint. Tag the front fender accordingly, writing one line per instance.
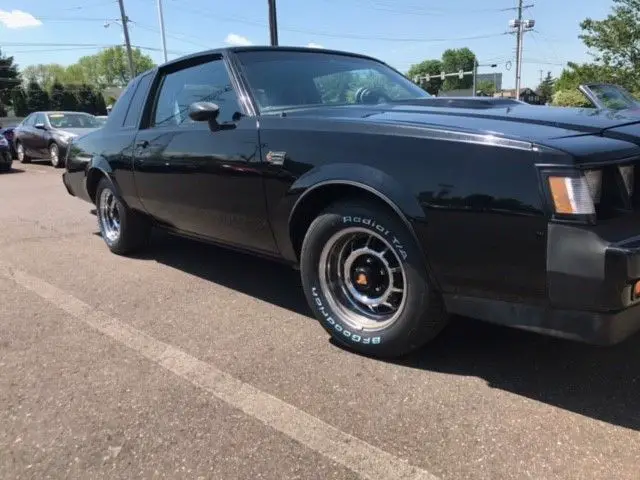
(363, 177)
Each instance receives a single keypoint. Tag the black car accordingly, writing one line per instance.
(7, 133)
(6, 159)
(399, 209)
(46, 135)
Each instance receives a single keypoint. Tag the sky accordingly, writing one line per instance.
(399, 32)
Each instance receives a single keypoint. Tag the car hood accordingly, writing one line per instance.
(489, 116)
(76, 131)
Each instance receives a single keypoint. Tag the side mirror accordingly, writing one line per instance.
(40, 126)
(208, 112)
(203, 111)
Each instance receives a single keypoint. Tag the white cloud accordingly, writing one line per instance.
(18, 19)
(238, 40)
(314, 45)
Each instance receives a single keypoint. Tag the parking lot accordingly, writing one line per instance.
(191, 361)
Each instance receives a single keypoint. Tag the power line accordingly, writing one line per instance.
(420, 11)
(90, 5)
(203, 13)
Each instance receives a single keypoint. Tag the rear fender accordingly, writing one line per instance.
(98, 168)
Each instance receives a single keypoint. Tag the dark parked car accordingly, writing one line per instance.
(46, 135)
(6, 159)
(7, 133)
(398, 208)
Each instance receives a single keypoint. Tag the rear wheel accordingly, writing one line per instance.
(365, 280)
(21, 154)
(123, 230)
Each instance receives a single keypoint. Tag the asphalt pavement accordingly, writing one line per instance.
(192, 361)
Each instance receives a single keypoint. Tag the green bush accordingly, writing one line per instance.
(570, 98)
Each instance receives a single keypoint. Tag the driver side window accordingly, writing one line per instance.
(206, 82)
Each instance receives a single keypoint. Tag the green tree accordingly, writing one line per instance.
(570, 98)
(615, 38)
(37, 98)
(577, 74)
(45, 74)
(109, 67)
(84, 98)
(546, 88)
(112, 66)
(9, 79)
(99, 106)
(19, 101)
(454, 60)
(69, 101)
(428, 67)
(56, 96)
(486, 88)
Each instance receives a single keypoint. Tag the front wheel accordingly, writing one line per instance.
(54, 155)
(122, 229)
(365, 279)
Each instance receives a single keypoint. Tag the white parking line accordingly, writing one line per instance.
(353, 453)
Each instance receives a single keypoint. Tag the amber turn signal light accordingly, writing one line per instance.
(636, 289)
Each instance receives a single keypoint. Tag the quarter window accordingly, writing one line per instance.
(137, 102)
(206, 82)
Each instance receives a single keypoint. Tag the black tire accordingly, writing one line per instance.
(5, 167)
(134, 228)
(54, 149)
(25, 158)
(420, 318)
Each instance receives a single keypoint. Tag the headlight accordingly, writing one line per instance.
(628, 177)
(574, 195)
(67, 136)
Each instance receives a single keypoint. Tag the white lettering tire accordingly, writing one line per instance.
(419, 314)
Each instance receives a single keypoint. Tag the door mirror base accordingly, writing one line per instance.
(40, 126)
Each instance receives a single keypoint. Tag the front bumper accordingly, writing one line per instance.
(591, 273)
(5, 156)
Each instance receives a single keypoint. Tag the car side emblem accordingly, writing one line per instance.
(276, 158)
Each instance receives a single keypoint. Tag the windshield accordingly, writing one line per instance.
(73, 120)
(290, 79)
(613, 96)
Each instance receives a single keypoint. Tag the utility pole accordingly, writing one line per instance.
(273, 23)
(475, 73)
(125, 20)
(519, 50)
(520, 27)
(161, 20)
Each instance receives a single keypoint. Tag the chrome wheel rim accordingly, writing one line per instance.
(20, 152)
(363, 279)
(109, 216)
(53, 153)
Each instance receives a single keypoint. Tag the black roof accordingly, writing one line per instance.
(255, 48)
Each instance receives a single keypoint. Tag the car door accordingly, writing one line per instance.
(190, 178)
(27, 134)
(40, 136)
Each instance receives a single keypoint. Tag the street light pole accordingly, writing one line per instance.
(161, 20)
(125, 20)
(273, 23)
